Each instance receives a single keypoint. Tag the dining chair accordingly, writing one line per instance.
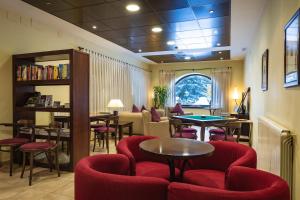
(48, 147)
(102, 132)
(11, 144)
(178, 129)
(230, 131)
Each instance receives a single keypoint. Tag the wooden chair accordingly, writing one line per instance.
(48, 147)
(231, 131)
(11, 144)
(177, 129)
(102, 133)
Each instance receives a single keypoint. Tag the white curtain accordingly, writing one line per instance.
(168, 78)
(221, 83)
(114, 79)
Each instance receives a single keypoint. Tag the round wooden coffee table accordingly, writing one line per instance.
(176, 149)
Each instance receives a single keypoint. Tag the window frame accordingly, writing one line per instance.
(186, 76)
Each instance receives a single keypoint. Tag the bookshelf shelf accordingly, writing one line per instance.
(78, 82)
(43, 82)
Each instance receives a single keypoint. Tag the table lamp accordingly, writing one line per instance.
(235, 97)
(115, 103)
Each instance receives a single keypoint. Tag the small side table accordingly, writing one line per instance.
(123, 125)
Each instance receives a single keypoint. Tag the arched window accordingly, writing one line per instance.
(193, 90)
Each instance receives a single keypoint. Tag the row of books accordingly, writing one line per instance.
(39, 72)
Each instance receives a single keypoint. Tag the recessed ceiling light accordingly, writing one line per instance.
(220, 52)
(211, 11)
(94, 27)
(48, 3)
(216, 32)
(140, 50)
(221, 58)
(156, 29)
(171, 42)
(187, 58)
(218, 44)
(133, 7)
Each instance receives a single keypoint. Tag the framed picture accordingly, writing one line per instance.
(291, 52)
(265, 70)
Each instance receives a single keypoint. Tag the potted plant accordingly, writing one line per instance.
(161, 94)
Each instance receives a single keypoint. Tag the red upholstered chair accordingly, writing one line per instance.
(13, 143)
(179, 129)
(211, 171)
(242, 184)
(48, 147)
(142, 164)
(106, 177)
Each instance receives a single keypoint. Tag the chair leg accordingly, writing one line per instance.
(107, 142)
(94, 142)
(49, 158)
(24, 161)
(31, 168)
(11, 160)
(57, 162)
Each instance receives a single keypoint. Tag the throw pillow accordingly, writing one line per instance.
(177, 109)
(135, 109)
(154, 115)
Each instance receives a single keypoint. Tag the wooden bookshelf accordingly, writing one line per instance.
(78, 91)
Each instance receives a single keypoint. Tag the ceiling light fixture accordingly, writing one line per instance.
(94, 27)
(171, 42)
(133, 7)
(211, 11)
(221, 58)
(218, 44)
(48, 3)
(156, 29)
(140, 50)
(220, 52)
(187, 58)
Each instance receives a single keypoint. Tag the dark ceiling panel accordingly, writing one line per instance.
(160, 5)
(187, 22)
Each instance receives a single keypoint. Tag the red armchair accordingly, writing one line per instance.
(142, 164)
(210, 171)
(242, 184)
(106, 177)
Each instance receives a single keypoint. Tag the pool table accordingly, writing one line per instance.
(204, 121)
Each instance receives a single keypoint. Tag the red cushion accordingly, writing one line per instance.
(143, 108)
(190, 130)
(217, 131)
(186, 135)
(103, 129)
(229, 138)
(154, 169)
(205, 177)
(178, 109)
(155, 117)
(37, 146)
(135, 109)
(96, 125)
(13, 141)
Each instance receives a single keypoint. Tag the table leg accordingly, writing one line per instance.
(130, 130)
(202, 133)
(120, 132)
(172, 169)
(182, 168)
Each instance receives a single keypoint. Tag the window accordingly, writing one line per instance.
(193, 90)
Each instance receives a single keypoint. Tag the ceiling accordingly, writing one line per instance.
(199, 28)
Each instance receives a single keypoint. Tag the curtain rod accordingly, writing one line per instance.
(201, 69)
(82, 49)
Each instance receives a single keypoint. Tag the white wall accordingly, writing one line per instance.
(278, 103)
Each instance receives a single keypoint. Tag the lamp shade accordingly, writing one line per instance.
(235, 94)
(115, 103)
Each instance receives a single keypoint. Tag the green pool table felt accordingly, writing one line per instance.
(202, 117)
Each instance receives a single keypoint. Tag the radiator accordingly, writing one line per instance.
(275, 149)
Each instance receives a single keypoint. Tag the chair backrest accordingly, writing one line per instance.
(175, 126)
(25, 126)
(54, 127)
(113, 119)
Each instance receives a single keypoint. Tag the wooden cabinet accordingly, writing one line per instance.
(78, 84)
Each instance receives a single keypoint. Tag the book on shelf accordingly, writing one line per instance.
(39, 72)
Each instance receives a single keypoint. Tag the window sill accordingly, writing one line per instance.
(196, 107)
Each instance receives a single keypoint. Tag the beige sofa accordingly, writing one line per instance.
(142, 124)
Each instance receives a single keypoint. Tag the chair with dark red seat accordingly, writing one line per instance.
(178, 129)
(107, 177)
(210, 171)
(242, 183)
(102, 132)
(48, 147)
(142, 164)
(227, 132)
(13, 143)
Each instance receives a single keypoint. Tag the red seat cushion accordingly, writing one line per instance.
(14, 141)
(154, 169)
(205, 177)
(190, 130)
(186, 135)
(230, 138)
(217, 131)
(96, 125)
(103, 129)
(37, 146)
